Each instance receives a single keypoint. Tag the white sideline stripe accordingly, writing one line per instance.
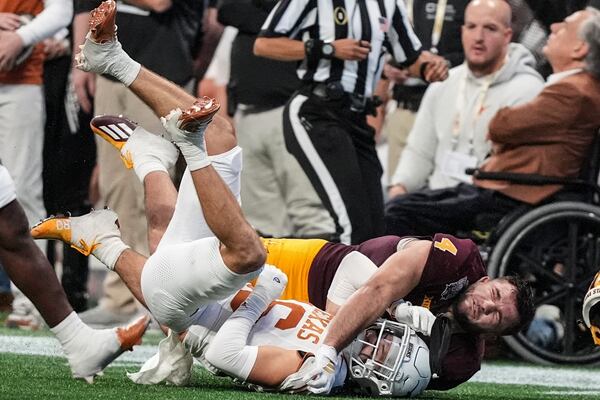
(335, 197)
(539, 376)
(573, 393)
(49, 346)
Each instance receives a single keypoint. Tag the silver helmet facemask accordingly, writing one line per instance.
(405, 369)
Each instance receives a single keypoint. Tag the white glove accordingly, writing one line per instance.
(418, 318)
(320, 378)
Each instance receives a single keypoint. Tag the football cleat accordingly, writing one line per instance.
(199, 115)
(102, 22)
(116, 130)
(87, 358)
(85, 234)
(591, 309)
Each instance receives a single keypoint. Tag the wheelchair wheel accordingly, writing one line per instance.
(556, 248)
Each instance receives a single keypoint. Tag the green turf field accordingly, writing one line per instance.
(31, 368)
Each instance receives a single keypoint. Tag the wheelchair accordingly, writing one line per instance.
(556, 247)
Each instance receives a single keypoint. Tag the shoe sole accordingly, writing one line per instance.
(201, 112)
(102, 22)
(115, 133)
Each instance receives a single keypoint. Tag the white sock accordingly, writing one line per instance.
(195, 156)
(150, 153)
(109, 251)
(69, 328)
(108, 58)
(191, 144)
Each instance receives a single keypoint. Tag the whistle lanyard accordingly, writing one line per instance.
(477, 110)
(438, 24)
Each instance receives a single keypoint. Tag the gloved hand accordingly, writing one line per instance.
(418, 318)
(320, 378)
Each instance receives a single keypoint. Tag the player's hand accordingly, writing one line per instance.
(351, 49)
(320, 378)
(9, 21)
(418, 318)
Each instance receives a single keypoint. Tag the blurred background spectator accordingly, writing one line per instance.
(23, 26)
(69, 158)
(277, 197)
(438, 25)
(450, 132)
(550, 135)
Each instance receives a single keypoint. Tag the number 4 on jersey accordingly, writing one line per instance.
(446, 245)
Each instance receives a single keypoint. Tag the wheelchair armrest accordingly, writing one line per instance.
(524, 179)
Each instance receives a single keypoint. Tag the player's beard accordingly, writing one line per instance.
(461, 318)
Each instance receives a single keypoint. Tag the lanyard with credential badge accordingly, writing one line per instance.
(438, 24)
(477, 110)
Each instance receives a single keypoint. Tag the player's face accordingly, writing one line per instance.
(385, 345)
(487, 306)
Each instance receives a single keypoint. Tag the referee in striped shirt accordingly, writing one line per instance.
(342, 45)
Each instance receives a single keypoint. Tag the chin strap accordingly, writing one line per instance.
(441, 332)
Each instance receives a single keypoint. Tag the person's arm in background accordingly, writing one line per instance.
(418, 158)
(556, 106)
(245, 15)
(407, 50)
(214, 82)
(56, 15)
(211, 34)
(84, 83)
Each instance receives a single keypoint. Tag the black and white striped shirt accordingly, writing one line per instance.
(383, 23)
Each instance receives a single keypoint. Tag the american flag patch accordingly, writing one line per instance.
(384, 24)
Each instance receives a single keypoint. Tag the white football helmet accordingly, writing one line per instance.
(389, 359)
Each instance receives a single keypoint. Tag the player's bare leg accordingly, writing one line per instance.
(88, 351)
(151, 157)
(242, 250)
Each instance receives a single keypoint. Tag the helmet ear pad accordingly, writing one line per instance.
(395, 363)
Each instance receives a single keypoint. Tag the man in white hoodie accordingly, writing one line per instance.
(449, 134)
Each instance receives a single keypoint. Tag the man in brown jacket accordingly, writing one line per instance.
(551, 135)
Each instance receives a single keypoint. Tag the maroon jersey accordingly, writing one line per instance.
(452, 265)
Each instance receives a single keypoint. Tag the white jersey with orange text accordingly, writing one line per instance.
(288, 324)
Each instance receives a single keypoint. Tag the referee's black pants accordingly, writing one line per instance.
(336, 149)
(450, 210)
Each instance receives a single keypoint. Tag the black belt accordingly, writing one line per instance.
(334, 92)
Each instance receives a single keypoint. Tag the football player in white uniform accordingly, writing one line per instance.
(88, 350)
(268, 344)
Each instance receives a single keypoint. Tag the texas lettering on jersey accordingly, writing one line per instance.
(290, 323)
